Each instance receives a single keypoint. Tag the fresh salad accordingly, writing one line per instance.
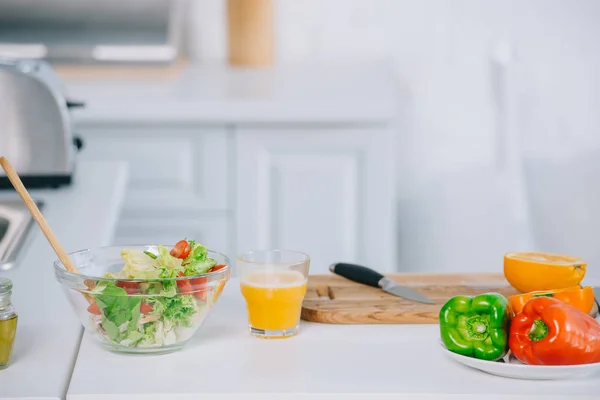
(160, 311)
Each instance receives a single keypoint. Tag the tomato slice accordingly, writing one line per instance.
(146, 308)
(181, 249)
(198, 283)
(202, 295)
(199, 286)
(94, 309)
(185, 286)
(130, 287)
(217, 267)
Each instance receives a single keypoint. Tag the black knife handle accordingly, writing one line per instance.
(357, 273)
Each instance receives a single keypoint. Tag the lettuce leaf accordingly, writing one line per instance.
(166, 260)
(118, 309)
(180, 309)
(133, 337)
(158, 308)
(137, 265)
(197, 252)
(148, 335)
(169, 289)
(168, 273)
(111, 329)
(158, 333)
(197, 267)
(197, 262)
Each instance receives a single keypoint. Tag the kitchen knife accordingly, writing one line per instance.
(367, 276)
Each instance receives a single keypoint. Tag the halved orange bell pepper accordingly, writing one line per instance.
(581, 298)
(551, 332)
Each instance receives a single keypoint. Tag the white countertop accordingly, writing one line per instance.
(220, 94)
(402, 361)
(48, 334)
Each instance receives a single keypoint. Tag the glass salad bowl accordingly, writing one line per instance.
(142, 299)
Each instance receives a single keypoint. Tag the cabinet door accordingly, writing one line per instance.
(172, 170)
(328, 192)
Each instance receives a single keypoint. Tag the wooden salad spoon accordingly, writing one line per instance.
(37, 215)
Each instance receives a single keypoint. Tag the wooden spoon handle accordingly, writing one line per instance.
(37, 215)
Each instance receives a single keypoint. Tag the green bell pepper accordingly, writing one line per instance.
(476, 326)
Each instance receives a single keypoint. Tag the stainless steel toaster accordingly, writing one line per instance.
(35, 124)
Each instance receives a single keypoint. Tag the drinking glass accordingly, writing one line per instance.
(273, 283)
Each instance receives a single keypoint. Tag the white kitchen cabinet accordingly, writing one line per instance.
(171, 169)
(179, 181)
(295, 157)
(326, 191)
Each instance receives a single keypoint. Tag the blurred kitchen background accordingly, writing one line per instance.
(447, 132)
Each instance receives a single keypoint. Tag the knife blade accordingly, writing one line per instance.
(369, 277)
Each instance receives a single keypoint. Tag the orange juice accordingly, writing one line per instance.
(274, 298)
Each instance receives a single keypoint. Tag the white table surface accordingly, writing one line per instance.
(313, 93)
(224, 361)
(48, 334)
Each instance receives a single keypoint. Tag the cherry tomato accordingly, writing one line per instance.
(198, 283)
(217, 267)
(199, 286)
(146, 308)
(201, 289)
(130, 287)
(181, 249)
(94, 309)
(185, 286)
(201, 295)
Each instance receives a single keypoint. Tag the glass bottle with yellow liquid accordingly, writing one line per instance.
(273, 283)
(8, 323)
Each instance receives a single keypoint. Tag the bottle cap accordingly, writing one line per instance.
(5, 285)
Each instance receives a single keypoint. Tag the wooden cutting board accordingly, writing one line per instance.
(335, 300)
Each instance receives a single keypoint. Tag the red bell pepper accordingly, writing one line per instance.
(551, 332)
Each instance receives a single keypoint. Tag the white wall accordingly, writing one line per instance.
(458, 210)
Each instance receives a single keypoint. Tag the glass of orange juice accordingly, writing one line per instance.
(273, 283)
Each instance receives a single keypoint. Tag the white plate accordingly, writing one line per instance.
(513, 368)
